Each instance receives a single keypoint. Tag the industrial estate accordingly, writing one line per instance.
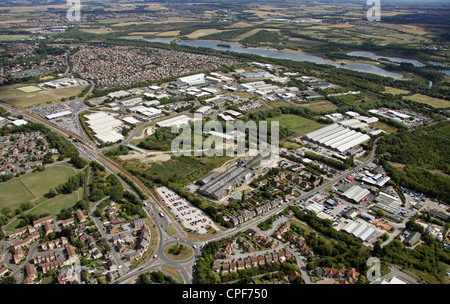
(91, 191)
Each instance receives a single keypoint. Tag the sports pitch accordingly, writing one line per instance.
(28, 96)
(29, 89)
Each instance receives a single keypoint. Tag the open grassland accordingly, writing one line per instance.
(299, 125)
(98, 30)
(13, 37)
(434, 102)
(13, 193)
(33, 185)
(320, 106)
(51, 206)
(56, 204)
(385, 127)
(174, 169)
(15, 95)
(395, 91)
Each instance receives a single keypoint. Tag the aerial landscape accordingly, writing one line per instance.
(225, 142)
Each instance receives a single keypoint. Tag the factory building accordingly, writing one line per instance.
(219, 186)
(118, 94)
(360, 230)
(149, 112)
(356, 193)
(190, 80)
(104, 126)
(354, 123)
(315, 207)
(57, 115)
(203, 110)
(131, 102)
(338, 138)
(175, 121)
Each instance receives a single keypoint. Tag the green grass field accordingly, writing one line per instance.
(298, 124)
(319, 106)
(13, 193)
(434, 102)
(52, 206)
(29, 89)
(33, 185)
(26, 96)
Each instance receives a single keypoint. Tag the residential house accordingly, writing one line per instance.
(80, 216)
(45, 258)
(225, 268)
(66, 275)
(112, 229)
(254, 261)
(261, 260)
(38, 223)
(71, 253)
(51, 266)
(240, 264)
(215, 266)
(18, 255)
(48, 228)
(138, 223)
(248, 262)
(233, 266)
(3, 271)
(68, 222)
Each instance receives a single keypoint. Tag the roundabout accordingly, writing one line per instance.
(178, 252)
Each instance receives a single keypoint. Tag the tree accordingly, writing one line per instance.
(78, 162)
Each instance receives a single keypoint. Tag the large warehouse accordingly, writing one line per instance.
(193, 79)
(175, 121)
(356, 193)
(219, 186)
(104, 126)
(337, 137)
(360, 230)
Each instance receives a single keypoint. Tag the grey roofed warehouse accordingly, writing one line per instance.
(218, 187)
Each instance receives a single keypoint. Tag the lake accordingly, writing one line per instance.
(276, 54)
(373, 56)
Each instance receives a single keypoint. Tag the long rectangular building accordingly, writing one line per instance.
(337, 137)
(360, 230)
(104, 126)
(175, 121)
(218, 187)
